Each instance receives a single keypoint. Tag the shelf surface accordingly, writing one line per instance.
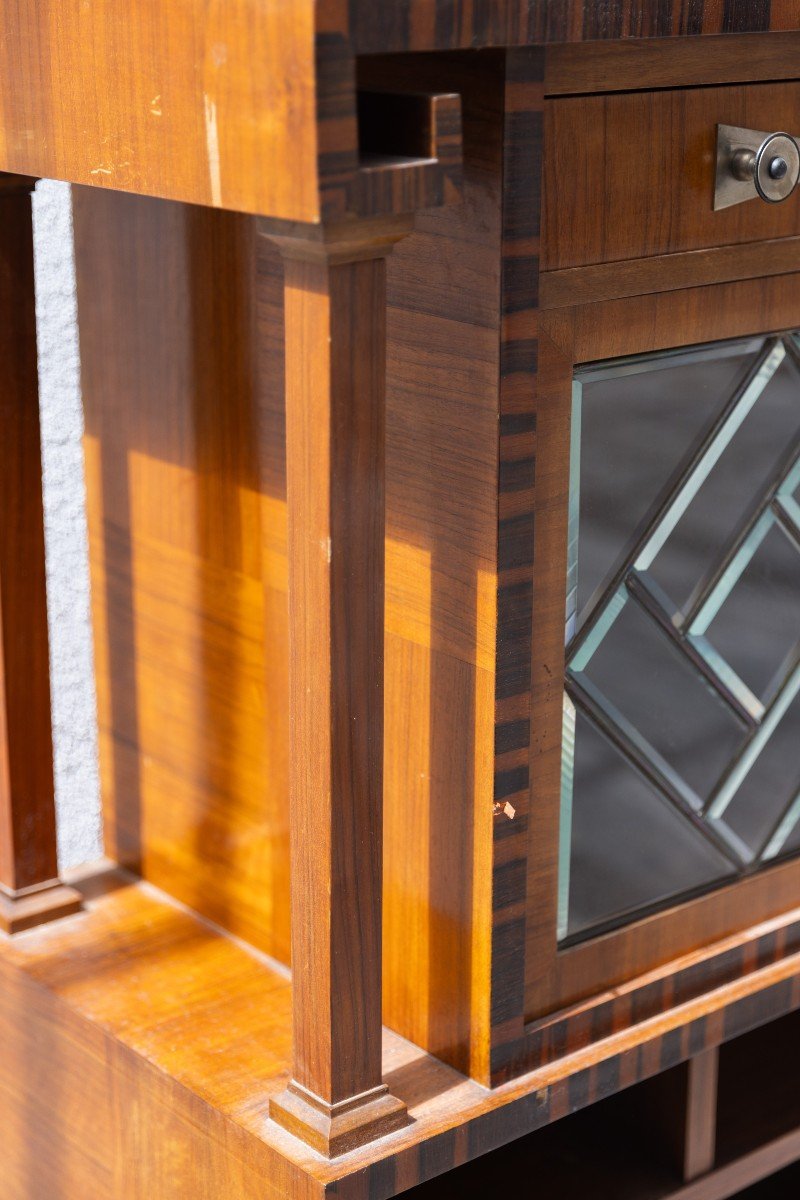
(135, 1012)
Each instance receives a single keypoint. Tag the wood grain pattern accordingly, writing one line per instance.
(732, 1178)
(688, 317)
(403, 25)
(257, 112)
(187, 520)
(518, 456)
(106, 995)
(616, 1150)
(442, 471)
(181, 490)
(554, 381)
(648, 161)
(29, 887)
(410, 149)
(447, 548)
(212, 104)
(700, 1133)
(189, 559)
(668, 272)
(88, 1112)
(643, 65)
(335, 345)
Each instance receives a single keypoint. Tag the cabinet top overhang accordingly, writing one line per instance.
(250, 105)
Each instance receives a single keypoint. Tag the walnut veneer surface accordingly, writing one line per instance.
(148, 1038)
(141, 1046)
(251, 106)
(184, 397)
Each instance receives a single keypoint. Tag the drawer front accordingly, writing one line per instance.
(632, 175)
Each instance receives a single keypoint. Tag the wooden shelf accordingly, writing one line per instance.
(759, 1098)
(626, 1148)
(777, 1187)
(137, 996)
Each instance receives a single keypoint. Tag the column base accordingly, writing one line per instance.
(335, 1129)
(24, 910)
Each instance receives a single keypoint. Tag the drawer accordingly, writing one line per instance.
(630, 175)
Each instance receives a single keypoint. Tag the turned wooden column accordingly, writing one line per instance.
(30, 891)
(335, 321)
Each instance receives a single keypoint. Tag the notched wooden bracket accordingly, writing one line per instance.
(410, 150)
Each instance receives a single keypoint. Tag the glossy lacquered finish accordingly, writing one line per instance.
(335, 347)
(237, 376)
(194, 750)
(443, 548)
(649, 162)
(164, 101)
(141, 1046)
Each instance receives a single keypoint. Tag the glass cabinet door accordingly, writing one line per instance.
(681, 728)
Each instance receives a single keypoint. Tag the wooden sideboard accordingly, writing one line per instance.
(441, 445)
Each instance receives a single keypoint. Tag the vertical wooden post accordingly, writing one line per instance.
(30, 891)
(335, 321)
(700, 1135)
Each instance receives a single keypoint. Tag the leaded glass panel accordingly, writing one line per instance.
(681, 759)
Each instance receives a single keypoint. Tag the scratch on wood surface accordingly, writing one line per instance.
(212, 147)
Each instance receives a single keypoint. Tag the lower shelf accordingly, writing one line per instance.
(631, 1146)
(778, 1187)
(141, 1047)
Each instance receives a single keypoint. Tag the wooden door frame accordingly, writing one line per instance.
(581, 993)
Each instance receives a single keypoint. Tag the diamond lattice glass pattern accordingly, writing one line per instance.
(681, 753)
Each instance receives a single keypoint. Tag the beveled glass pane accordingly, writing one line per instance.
(770, 786)
(757, 627)
(630, 849)
(637, 425)
(659, 692)
(682, 696)
(787, 840)
(751, 461)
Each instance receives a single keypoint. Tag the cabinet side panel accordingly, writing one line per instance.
(441, 585)
(185, 478)
(183, 385)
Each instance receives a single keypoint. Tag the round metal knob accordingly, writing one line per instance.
(776, 167)
(751, 163)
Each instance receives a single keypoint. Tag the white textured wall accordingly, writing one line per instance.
(74, 704)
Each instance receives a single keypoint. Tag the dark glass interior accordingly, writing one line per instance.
(615, 806)
(756, 629)
(748, 466)
(682, 759)
(622, 421)
(770, 786)
(660, 695)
